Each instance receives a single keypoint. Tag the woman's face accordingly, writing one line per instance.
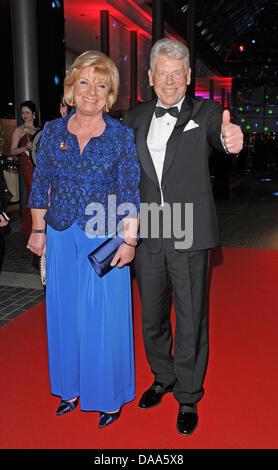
(89, 93)
(26, 114)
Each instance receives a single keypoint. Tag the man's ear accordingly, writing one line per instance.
(188, 76)
(150, 77)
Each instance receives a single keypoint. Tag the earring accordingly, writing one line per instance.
(106, 109)
(71, 98)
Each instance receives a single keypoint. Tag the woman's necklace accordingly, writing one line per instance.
(28, 128)
(87, 132)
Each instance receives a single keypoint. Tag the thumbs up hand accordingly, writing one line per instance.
(231, 133)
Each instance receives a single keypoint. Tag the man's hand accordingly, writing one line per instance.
(231, 133)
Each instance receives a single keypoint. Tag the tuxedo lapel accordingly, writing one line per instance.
(173, 142)
(141, 141)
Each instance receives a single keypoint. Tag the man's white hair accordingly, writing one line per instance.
(171, 48)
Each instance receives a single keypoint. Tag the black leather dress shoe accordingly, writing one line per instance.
(154, 394)
(108, 418)
(66, 406)
(187, 419)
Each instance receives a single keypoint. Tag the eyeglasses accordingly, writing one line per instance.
(174, 76)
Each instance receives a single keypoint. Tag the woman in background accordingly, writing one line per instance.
(65, 109)
(22, 145)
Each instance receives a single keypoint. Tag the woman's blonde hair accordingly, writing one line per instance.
(104, 70)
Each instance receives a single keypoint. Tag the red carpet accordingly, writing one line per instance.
(238, 411)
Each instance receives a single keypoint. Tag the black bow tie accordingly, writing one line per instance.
(159, 111)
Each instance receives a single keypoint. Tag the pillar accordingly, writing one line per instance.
(223, 94)
(211, 89)
(25, 59)
(228, 100)
(133, 68)
(191, 43)
(25, 53)
(157, 20)
(104, 32)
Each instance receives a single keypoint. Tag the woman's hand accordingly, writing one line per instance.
(36, 243)
(29, 146)
(124, 255)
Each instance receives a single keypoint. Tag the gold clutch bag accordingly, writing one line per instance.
(43, 269)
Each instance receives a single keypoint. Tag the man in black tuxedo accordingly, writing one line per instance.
(175, 135)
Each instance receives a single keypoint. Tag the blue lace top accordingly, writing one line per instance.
(95, 189)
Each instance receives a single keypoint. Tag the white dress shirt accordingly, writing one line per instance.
(158, 136)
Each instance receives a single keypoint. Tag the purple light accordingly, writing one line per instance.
(202, 94)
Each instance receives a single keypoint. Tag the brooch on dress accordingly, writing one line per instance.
(63, 146)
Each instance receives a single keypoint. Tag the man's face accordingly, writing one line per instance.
(169, 80)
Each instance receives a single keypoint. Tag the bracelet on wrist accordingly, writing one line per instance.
(38, 231)
(130, 244)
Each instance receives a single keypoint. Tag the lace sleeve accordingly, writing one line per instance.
(42, 174)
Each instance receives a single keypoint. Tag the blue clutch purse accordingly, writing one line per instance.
(101, 257)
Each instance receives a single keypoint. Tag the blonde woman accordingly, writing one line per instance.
(85, 157)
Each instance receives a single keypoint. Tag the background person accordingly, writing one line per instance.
(21, 144)
(65, 109)
(85, 157)
(5, 198)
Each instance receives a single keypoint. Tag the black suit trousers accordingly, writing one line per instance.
(183, 277)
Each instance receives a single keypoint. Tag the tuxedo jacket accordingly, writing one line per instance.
(185, 177)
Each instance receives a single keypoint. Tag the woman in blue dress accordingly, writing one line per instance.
(85, 185)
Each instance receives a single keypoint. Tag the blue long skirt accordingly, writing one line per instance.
(89, 325)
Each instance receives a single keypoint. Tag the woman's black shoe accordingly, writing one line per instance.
(66, 406)
(108, 418)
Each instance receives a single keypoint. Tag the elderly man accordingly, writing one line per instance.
(175, 135)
